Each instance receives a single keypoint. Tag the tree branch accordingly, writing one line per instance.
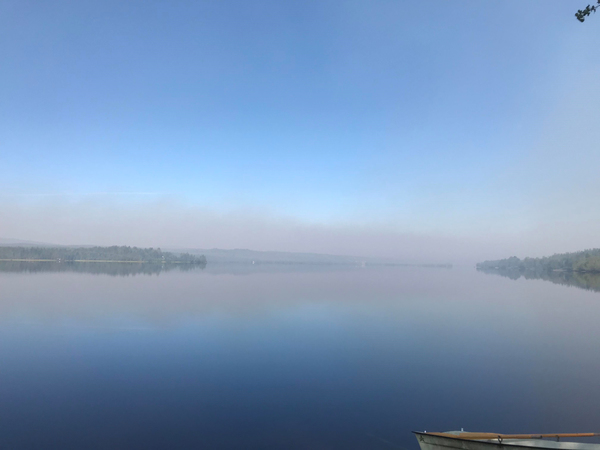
(581, 14)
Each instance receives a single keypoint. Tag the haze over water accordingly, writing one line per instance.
(296, 359)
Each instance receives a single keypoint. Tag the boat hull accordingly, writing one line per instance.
(434, 442)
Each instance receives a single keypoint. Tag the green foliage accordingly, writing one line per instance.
(114, 253)
(581, 14)
(582, 280)
(121, 269)
(584, 261)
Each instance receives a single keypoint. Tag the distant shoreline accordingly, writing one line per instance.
(91, 255)
(257, 263)
(585, 261)
(534, 270)
(99, 261)
(135, 255)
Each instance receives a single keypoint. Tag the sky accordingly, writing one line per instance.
(443, 132)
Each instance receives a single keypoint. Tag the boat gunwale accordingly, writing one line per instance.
(492, 441)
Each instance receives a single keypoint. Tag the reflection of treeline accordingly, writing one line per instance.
(114, 253)
(584, 261)
(100, 268)
(583, 280)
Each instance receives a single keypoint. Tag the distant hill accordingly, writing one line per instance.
(245, 256)
(583, 261)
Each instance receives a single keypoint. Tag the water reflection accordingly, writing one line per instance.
(149, 268)
(348, 358)
(582, 280)
(98, 268)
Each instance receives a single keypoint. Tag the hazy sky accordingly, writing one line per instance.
(449, 130)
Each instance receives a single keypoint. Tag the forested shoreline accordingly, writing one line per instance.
(113, 268)
(105, 254)
(583, 261)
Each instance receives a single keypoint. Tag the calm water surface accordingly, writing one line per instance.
(286, 359)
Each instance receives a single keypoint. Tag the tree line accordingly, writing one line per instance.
(583, 261)
(114, 253)
(122, 269)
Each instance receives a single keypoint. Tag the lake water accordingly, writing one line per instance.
(289, 358)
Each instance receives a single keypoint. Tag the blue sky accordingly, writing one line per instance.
(387, 116)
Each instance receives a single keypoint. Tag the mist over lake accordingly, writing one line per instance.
(297, 358)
